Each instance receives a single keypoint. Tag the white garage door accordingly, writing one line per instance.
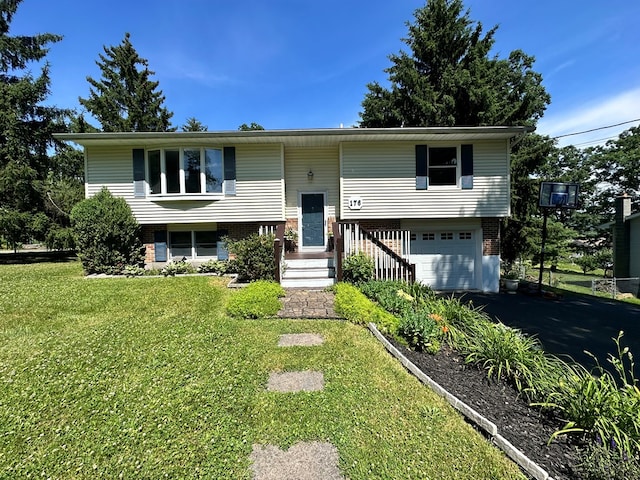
(445, 260)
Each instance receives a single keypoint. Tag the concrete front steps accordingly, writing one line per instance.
(308, 270)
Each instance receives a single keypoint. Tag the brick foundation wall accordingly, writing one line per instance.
(147, 239)
(490, 236)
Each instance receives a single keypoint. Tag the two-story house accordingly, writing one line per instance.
(435, 195)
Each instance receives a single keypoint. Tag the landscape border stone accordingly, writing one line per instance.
(483, 423)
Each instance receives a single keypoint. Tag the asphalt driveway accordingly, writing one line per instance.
(570, 325)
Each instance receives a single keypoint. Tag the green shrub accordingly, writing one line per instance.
(587, 263)
(133, 271)
(421, 330)
(259, 299)
(219, 267)
(60, 239)
(358, 268)
(174, 268)
(600, 462)
(107, 235)
(254, 257)
(353, 305)
(392, 295)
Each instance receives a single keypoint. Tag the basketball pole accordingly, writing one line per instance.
(545, 215)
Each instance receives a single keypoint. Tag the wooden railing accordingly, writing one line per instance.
(338, 250)
(389, 264)
(278, 251)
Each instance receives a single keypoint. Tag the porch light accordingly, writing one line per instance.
(310, 175)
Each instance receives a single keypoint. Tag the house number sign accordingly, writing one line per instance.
(355, 203)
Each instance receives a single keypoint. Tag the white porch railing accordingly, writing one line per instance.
(389, 249)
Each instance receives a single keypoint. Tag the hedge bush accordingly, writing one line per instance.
(259, 299)
(106, 233)
(254, 257)
(357, 308)
(358, 268)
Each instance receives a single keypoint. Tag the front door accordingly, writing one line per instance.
(312, 207)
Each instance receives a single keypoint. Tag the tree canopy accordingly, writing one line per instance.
(448, 77)
(26, 130)
(125, 99)
(254, 126)
(194, 125)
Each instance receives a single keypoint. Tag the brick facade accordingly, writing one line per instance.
(490, 236)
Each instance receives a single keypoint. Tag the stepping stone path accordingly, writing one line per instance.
(304, 460)
(300, 340)
(295, 382)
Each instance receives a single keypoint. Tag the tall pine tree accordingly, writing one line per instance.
(26, 128)
(126, 99)
(449, 79)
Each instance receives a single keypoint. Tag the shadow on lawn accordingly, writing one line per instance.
(37, 257)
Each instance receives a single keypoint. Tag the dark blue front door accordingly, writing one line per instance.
(312, 219)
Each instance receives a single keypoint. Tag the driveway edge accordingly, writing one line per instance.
(483, 423)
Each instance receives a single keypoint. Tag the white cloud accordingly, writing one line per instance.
(622, 107)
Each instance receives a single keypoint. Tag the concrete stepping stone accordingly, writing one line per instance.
(300, 340)
(306, 381)
(303, 461)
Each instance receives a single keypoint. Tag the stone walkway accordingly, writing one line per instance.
(304, 460)
(310, 304)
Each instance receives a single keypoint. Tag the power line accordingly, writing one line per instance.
(596, 129)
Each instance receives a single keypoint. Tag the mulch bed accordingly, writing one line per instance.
(525, 427)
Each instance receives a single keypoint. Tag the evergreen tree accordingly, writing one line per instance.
(126, 99)
(254, 126)
(448, 78)
(194, 125)
(26, 128)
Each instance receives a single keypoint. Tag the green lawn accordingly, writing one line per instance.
(148, 378)
(569, 277)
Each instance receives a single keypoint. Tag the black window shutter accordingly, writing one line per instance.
(229, 170)
(229, 163)
(466, 166)
(160, 245)
(138, 173)
(421, 167)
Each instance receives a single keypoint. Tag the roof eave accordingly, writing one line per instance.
(297, 137)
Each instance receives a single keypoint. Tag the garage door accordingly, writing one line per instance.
(445, 260)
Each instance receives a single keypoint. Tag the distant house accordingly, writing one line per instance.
(626, 240)
(433, 196)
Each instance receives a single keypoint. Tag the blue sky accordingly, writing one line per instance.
(305, 64)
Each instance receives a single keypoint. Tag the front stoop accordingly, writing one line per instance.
(308, 273)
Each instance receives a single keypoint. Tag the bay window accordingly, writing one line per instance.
(189, 171)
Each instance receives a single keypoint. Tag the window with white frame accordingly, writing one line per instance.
(193, 244)
(185, 171)
(442, 166)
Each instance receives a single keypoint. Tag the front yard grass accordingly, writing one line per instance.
(149, 378)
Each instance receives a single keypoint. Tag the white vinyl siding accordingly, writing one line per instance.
(259, 188)
(325, 165)
(384, 176)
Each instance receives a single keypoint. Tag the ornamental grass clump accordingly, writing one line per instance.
(602, 404)
(504, 352)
